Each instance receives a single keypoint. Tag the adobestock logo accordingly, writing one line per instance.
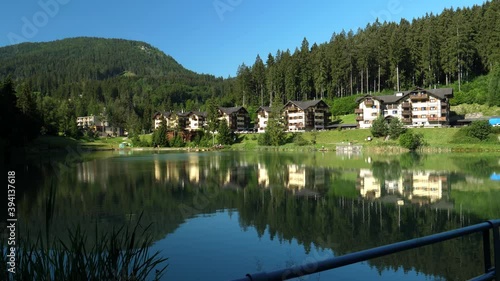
(32, 25)
(393, 8)
(223, 6)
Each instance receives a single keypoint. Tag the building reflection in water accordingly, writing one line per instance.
(299, 179)
(416, 187)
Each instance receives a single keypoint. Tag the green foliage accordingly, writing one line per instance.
(274, 134)
(344, 106)
(411, 140)
(299, 140)
(159, 138)
(122, 254)
(476, 131)
(177, 141)
(494, 87)
(224, 135)
(396, 128)
(379, 127)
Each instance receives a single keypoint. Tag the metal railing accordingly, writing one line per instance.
(490, 272)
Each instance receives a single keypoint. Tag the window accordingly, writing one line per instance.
(394, 112)
(424, 108)
(433, 108)
(374, 114)
(415, 108)
(367, 121)
(424, 116)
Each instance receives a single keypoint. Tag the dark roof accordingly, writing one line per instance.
(306, 104)
(165, 114)
(442, 94)
(199, 113)
(265, 108)
(231, 110)
(183, 114)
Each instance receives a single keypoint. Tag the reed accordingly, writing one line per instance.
(122, 254)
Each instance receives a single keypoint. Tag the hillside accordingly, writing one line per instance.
(84, 58)
(129, 80)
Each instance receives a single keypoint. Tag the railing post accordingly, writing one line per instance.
(496, 248)
(487, 250)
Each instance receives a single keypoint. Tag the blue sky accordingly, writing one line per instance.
(206, 36)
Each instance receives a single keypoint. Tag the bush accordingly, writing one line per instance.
(411, 141)
(379, 127)
(476, 131)
(396, 128)
(480, 130)
(299, 140)
(264, 139)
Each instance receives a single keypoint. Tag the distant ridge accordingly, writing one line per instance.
(85, 58)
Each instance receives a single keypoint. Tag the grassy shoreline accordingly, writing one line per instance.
(438, 140)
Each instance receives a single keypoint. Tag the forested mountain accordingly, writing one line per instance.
(431, 51)
(128, 80)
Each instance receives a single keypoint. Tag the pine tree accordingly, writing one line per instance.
(224, 135)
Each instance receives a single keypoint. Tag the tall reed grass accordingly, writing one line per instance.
(122, 254)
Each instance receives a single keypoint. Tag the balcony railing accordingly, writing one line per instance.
(369, 102)
(406, 105)
(406, 112)
(406, 120)
(437, 119)
(359, 118)
(444, 104)
(358, 110)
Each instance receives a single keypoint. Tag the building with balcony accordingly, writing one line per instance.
(306, 115)
(237, 118)
(415, 108)
(196, 120)
(262, 118)
(98, 124)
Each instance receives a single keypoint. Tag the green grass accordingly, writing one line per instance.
(485, 110)
(348, 119)
(437, 139)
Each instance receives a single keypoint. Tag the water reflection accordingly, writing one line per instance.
(416, 187)
(323, 201)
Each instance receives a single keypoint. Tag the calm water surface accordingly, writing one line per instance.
(220, 215)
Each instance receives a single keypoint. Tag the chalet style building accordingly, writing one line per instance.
(98, 124)
(415, 108)
(306, 115)
(262, 118)
(237, 118)
(159, 116)
(196, 120)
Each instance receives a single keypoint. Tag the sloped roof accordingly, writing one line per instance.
(231, 110)
(198, 113)
(442, 94)
(183, 114)
(306, 104)
(265, 108)
(166, 114)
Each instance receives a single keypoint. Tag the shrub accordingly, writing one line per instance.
(480, 130)
(476, 131)
(299, 140)
(396, 128)
(379, 127)
(411, 141)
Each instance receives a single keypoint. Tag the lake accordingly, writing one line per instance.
(220, 215)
